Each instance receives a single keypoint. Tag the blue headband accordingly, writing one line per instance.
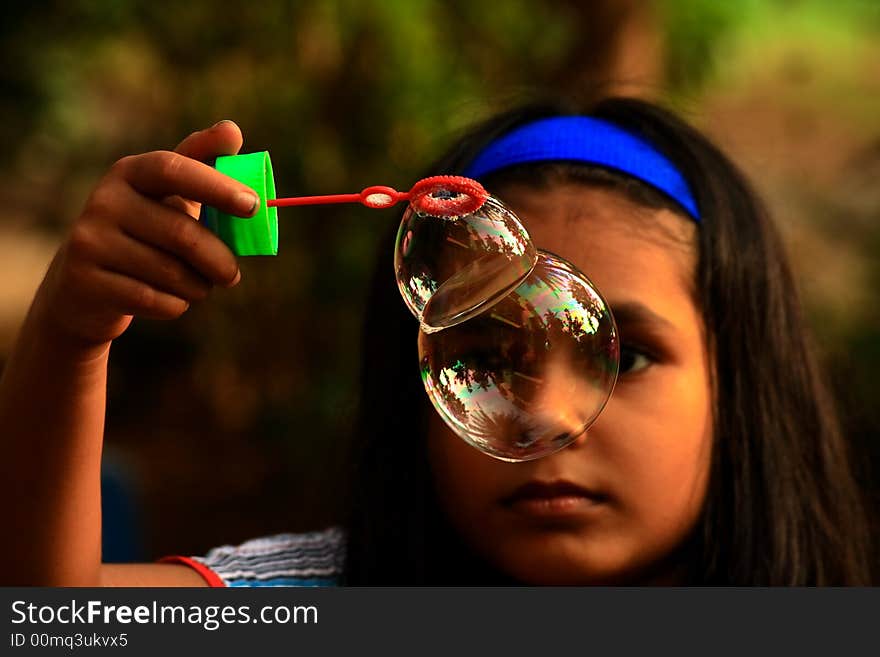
(589, 140)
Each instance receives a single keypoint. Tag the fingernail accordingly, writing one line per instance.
(249, 201)
(219, 123)
(236, 279)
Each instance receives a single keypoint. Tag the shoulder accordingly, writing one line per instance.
(306, 559)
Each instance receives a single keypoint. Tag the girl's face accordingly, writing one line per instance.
(613, 506)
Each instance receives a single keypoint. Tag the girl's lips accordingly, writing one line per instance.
(552, 499)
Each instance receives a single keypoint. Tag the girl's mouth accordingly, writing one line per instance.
(553, 499)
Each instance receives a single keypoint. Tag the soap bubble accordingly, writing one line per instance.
(452, 260)
(528, 374)
(518, 351)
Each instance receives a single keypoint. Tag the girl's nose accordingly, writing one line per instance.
(579, 440)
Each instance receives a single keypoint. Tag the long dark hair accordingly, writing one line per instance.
(783, 507)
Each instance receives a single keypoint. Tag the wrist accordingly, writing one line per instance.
(42, 328)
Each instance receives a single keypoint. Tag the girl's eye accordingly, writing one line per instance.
(632, 360)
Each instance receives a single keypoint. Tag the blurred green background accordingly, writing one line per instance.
(233, 422)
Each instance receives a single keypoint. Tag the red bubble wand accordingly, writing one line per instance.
(440, 196)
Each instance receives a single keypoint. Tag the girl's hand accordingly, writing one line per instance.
(138, 249)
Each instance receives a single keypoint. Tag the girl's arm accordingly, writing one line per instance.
(135, 250)
(52, 400)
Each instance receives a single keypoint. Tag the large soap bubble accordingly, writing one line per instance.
(527, 375)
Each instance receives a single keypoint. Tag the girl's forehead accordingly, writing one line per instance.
(629, 251)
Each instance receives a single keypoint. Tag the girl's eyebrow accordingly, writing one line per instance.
(633, 312)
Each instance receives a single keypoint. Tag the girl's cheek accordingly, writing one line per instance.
(465, 479)
(662, 449)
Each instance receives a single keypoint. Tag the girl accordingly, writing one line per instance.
(717, 459)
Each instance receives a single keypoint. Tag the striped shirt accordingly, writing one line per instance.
(308, 559)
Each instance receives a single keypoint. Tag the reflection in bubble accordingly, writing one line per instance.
(449, 268)
(527, 375)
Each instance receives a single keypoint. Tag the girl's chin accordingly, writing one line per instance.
(568, 558)
(559, 558)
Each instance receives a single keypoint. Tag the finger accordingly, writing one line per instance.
(128, 296)
(223, 138)
(162, 173)
(177, 233)
(192, 208)
(130, 257)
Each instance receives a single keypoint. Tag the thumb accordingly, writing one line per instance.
(223, 138)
